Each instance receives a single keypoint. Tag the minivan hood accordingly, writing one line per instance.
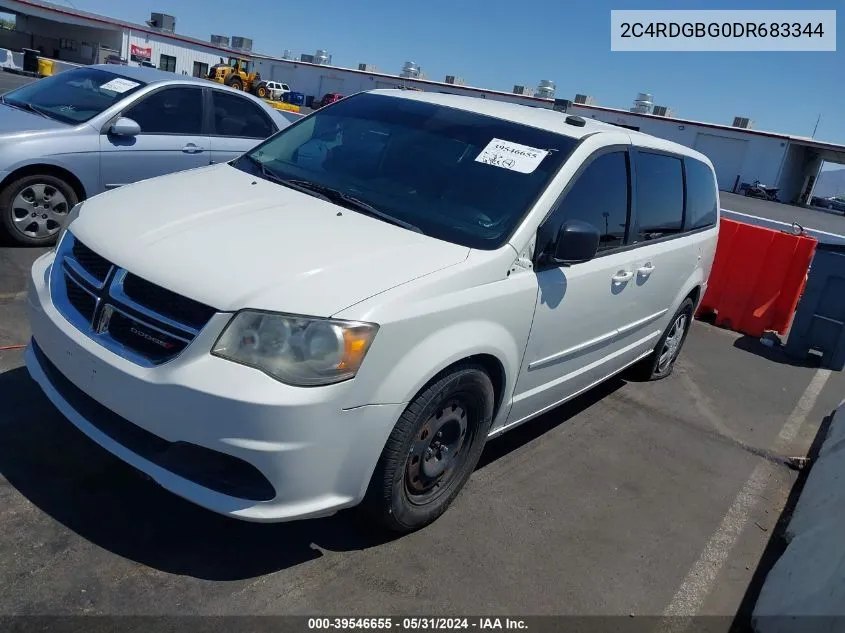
(232, 240)
(16, 121)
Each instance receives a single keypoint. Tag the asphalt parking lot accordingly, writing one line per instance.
(810, 218)
(641, 499)
(10, 81)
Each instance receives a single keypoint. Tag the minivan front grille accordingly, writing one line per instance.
(98, 267)
(133, 317)
(169, 304)
(84, 302)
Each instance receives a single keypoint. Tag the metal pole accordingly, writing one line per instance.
(817, 125)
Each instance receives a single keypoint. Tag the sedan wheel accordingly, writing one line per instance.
(39, 210)
(33, 208)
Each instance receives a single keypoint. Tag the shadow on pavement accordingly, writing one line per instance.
(775, 353)
(534, 429)
(82, 486)
(777, 543)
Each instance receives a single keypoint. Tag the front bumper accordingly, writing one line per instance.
(224, 436)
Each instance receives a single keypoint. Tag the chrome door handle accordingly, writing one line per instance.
(645, 270)
(622, 276)
(190, 148)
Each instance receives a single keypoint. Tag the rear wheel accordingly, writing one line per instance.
(33, 208)
(660, 364)
(236, 83)
(432, 451)
(262, 92)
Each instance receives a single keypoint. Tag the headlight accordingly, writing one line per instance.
(297, 350)
(71, 216)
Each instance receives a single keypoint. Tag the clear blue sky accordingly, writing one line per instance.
(497, 43)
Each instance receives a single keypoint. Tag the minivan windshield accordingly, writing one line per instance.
(73, 96)
(449, 173)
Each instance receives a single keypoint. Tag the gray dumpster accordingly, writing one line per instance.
(819, 323)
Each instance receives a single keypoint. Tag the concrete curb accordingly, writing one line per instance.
(809, 578)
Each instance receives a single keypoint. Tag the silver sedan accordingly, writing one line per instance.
(81, 132)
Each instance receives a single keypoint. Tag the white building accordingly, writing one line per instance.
(739, 154)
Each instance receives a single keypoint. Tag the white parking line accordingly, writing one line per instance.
(12, 296)
(699, 581)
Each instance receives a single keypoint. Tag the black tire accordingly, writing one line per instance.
(652, 367)
(396, 496)
(236, 83)
(56, 202)
(261, 91)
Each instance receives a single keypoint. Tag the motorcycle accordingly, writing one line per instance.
(761, 191)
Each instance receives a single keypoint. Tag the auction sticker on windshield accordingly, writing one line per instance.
(513, 156)
(119, 85)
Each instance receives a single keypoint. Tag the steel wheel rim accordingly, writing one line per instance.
(439, 450)
(39, 210)
(672, 344)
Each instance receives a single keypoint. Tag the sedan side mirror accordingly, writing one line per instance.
(576, 242)
(125, 127)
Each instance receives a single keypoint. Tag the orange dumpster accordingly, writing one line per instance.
(757, 278)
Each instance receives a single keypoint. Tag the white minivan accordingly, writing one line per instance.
(346, 313)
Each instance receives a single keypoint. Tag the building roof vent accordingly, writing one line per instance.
(742, 122)
(411, 70)
(546, 89)
(562, 105)
(643, 103)
(162, 22)
(242, 43)
(584, 100)
(662, 111)
(322, 57)
(220, 40)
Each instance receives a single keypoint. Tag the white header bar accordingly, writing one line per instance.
(709, 30)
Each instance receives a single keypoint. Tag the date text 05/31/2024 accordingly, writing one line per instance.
(414, 624)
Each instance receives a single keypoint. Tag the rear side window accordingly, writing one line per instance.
(660, 196)
(599, 196)
(239, 117)
(702, 205)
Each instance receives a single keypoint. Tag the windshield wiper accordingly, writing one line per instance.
(292, 184)
(331, 195)
(351, 202)
(23, 105)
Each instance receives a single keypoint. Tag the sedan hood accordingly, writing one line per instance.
(231, 240)
(15, 121)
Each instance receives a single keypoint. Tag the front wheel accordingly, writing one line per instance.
(660, 363)
(33, 208)
(432, 451)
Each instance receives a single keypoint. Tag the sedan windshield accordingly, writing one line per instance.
(74, 96)
(451, 174)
